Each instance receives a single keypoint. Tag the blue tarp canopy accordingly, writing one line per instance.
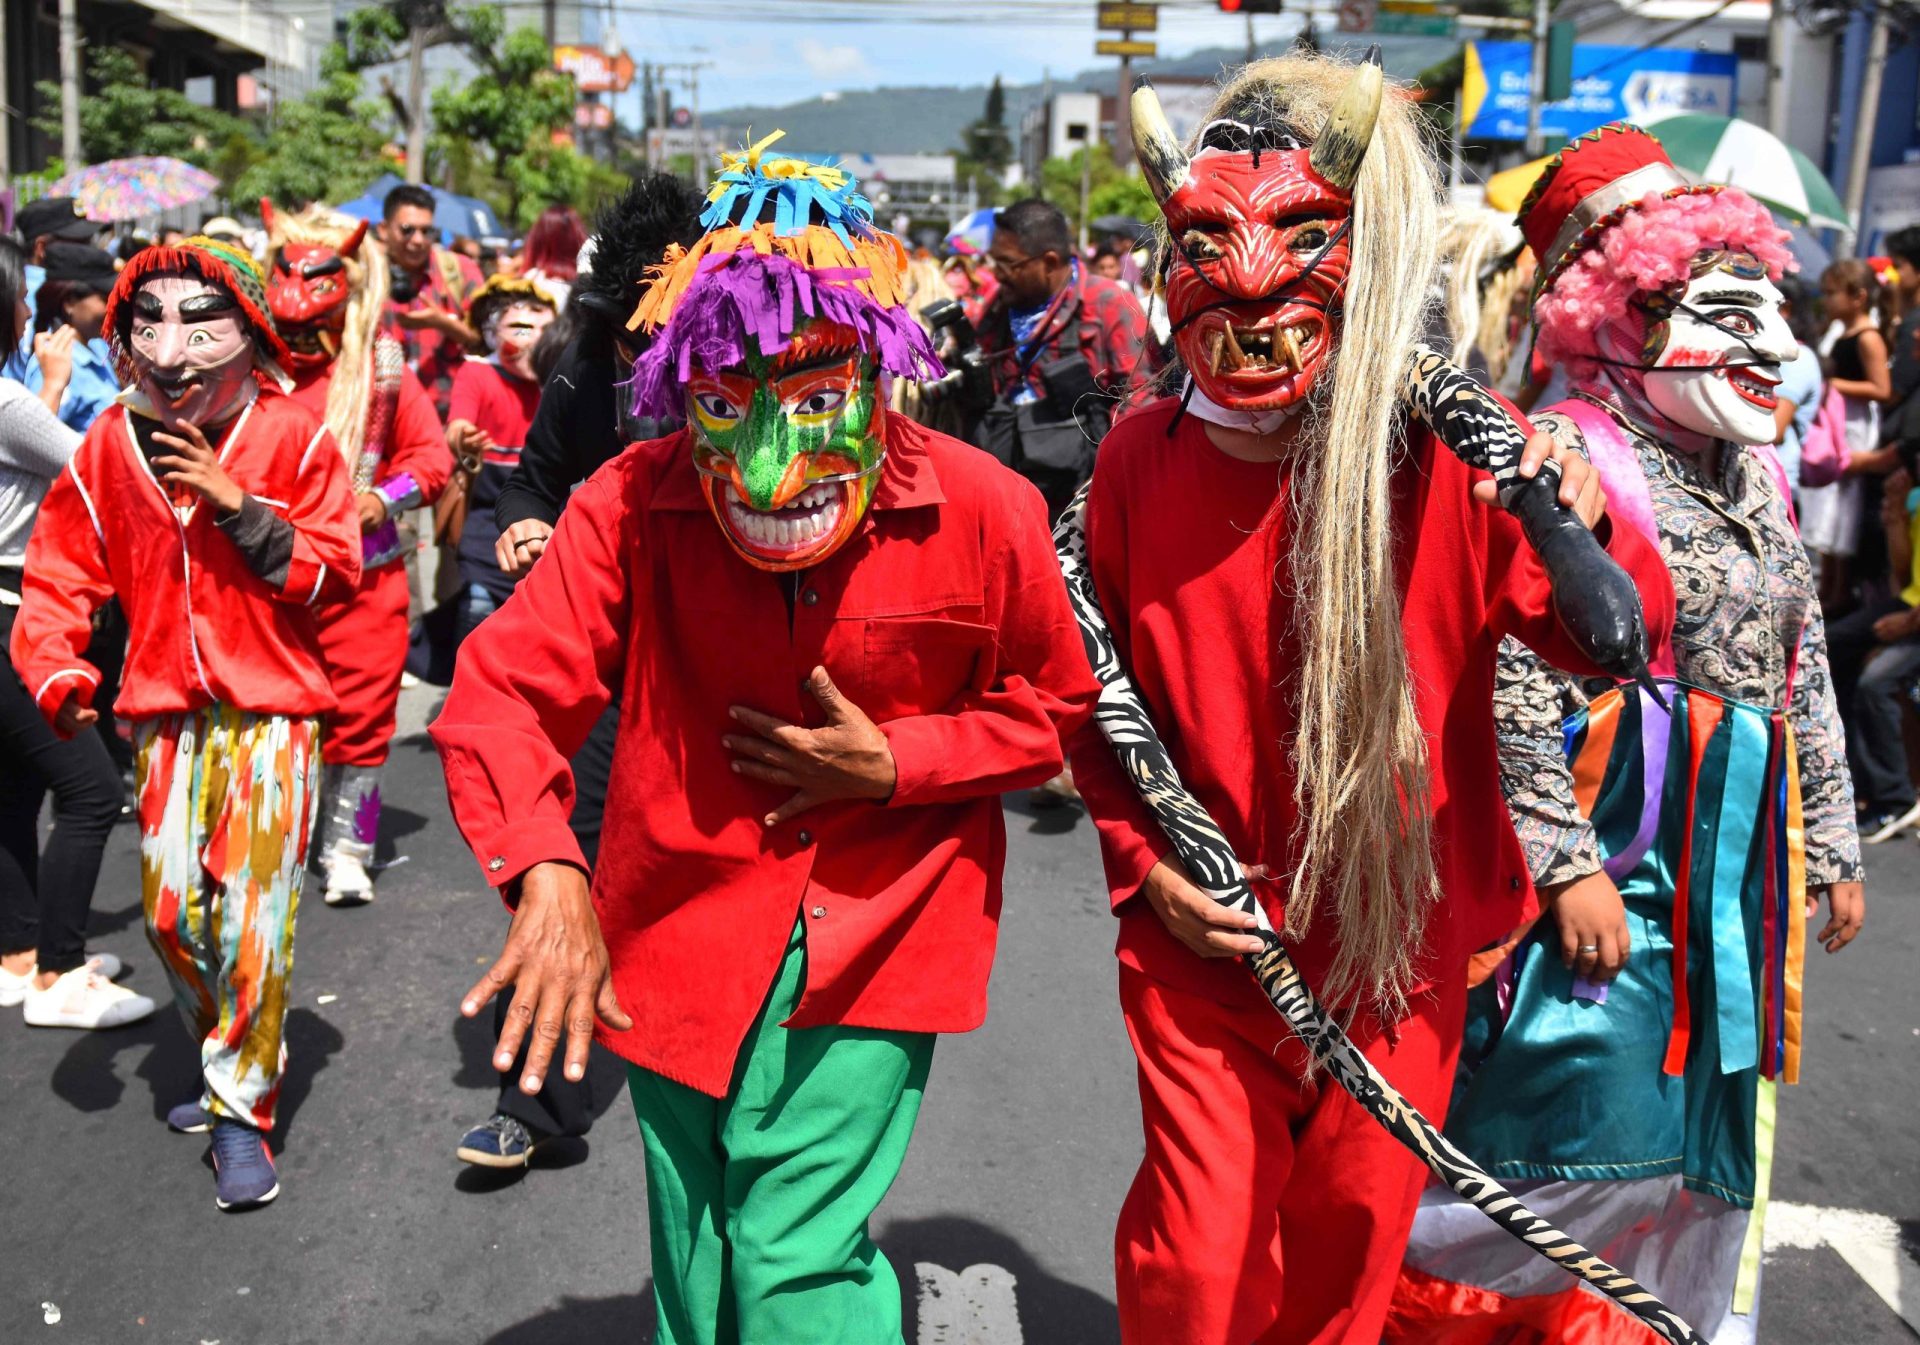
(452, 215)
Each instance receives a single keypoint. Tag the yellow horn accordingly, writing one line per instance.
(1162, 161)
(1342, 142)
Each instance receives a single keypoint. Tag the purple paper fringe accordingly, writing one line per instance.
(737, 296)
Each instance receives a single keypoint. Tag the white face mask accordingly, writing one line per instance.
(1718, 367)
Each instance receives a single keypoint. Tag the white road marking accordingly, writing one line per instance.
(974, 1307)
(1870, 1243)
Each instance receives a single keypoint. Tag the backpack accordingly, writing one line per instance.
(1824, 453)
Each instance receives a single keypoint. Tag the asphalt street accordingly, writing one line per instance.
(1000, 1223)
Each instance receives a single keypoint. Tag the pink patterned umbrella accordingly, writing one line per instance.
(123, 189)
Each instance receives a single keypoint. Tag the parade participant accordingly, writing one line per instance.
(1635, 1111)
(216, 509)
(73, 299)
(493, 406)
(1308, 600)
(577, 428)
(327, 290)
(837, 637)
(428, 296)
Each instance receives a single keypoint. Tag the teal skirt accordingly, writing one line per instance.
(1698, 819)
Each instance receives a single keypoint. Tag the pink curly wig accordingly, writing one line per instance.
(1649, 247)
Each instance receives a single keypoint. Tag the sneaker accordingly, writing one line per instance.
(242, 1167)
(500, 1143)
(190, 1118)
(13, 988)
(348, 882)
(1883, 824)
(83, 998)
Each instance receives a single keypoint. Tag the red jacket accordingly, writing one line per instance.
(204, 627)
(943, 618)
(1192, 572)
(416, 445)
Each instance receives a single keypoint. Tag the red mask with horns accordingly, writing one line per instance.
(1260, 224)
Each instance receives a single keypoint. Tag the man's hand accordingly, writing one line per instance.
(194, 464)
(468, 440)
(1897, 626)
(1208, 927)
(72, 716)
(433, 316)
(521, 545)
(1580, 488)
(1593, 926)
(373, 510)
(848, 759)
(1846, 913)
(556, 963)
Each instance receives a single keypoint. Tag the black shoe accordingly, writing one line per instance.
(1883, 824)
(502, 1142)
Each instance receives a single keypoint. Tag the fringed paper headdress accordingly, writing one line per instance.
(786, 239)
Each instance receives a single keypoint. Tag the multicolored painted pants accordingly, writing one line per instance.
(226, 815)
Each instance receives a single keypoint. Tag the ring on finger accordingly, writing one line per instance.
(1589, 948)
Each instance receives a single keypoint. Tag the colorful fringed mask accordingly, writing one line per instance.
(1259, 220)
(771, 335)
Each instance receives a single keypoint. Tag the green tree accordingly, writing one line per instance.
(1110, 189)
(323, 147)
(125, 116)
(985, 148)
(506, 118)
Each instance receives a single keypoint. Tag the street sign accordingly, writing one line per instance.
(597, 115)
(1127, 18)
(1357, 16)
(1108, 46)
(1609, 84)
(593, 70)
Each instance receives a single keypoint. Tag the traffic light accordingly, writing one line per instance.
(1250, 6)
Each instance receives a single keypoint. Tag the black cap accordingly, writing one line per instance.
(54, 217)
(79, 264)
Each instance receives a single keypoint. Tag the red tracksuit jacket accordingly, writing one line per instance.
(1193, 574)
(943, 618)
(204, 627)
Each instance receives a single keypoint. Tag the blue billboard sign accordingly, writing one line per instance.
(1609, 84)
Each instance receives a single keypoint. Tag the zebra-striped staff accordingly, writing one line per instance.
(1476, 428)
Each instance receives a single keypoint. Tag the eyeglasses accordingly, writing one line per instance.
(1005, 267)
(413, 230)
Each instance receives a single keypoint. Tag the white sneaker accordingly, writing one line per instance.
(13, 988)
(348, 882)
(83, 998)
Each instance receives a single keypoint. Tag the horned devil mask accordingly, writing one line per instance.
(1260, 222)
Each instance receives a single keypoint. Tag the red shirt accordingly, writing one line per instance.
(204, 627)
(943, 618)
(433, 355)
(1094, 316)
(416, 441)
(1190, 555)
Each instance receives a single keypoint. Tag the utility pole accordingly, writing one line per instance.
(1536, 143)
(6, 117)
(1860, 159)
(1777, 19)
(1250, 46)
(1122, 116)
(693, 117)
(416, 101)
(70, 83)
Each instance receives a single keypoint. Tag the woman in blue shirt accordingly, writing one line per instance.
(74, 294)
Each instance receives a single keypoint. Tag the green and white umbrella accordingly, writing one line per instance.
(1740, 154)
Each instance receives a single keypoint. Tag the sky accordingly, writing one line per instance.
(768, 59)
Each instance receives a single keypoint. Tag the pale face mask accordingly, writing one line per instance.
(193, 355)
(1715, 353)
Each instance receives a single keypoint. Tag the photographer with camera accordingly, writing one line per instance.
(1062, 345)
(429, 292)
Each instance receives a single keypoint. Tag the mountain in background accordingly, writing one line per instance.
(927, 119)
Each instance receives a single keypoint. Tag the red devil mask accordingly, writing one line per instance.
(307, 293)
(1261, 248)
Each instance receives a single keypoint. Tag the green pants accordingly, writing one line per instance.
(758, 1202)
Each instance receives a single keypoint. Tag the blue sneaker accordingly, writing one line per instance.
(501, 1142)
(242, 1167)
(190, 1118)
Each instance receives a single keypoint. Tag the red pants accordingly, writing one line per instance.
(1267, 1210)
(363, 642)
